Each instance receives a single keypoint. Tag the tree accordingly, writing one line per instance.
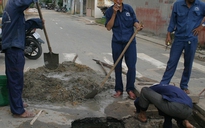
(60, 3)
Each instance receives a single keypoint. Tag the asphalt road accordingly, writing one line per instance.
(71, 35)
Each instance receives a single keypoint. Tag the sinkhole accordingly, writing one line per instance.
(95, 122)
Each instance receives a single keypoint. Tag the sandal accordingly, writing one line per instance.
(117, 94)
(26, 114)
(131, 95)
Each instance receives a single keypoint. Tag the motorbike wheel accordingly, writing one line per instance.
(33, 49)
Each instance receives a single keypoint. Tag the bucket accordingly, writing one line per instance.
(4, 96)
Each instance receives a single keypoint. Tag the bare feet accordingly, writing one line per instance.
(26, 114)
(117, 94)
(131, 95)
(25, 105)
(187, 91)
(187, 124)
(142, 117)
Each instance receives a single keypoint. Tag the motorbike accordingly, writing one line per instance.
(61, 9)
(64, 9)
(33, 48)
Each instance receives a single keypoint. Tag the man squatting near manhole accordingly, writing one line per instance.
(171, 102)
(121, 19)
(13, 42)
(185, 20)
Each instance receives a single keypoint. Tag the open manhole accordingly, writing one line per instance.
(102, 122)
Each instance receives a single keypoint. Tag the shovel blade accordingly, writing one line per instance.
(51, 60)
(91, 94)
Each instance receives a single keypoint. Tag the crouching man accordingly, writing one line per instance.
(171, 102)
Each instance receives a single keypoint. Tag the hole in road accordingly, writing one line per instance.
(98, 123)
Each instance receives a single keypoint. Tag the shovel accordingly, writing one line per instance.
(94, 92)
(51, 60)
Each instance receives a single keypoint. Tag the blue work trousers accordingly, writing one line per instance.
(177, 48)
(15, 61)
(130, 60)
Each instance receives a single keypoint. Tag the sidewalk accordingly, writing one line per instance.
(199, 107)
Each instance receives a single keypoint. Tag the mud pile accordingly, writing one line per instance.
(70, 82)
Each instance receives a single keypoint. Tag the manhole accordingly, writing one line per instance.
(102, 122)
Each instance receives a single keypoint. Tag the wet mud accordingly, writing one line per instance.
(70, 82)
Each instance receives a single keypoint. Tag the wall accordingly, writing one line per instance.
(92, 10)
(98, 12)
(155, 15)
(89, 6)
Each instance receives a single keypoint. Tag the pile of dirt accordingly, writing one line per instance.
(70, 82)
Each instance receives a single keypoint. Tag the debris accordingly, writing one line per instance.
(74, 59)
(202, 92)
(100, 63)
(35, 118)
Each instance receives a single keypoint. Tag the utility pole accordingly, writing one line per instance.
(73, 7)
(81, 7)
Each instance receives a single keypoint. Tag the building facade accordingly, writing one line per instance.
(155, 15)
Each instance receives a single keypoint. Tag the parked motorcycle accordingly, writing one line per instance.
(64, 9)
(33, 49)
(61, 9)
(58, 9)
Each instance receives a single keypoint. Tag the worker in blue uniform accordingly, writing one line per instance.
(121, 19)
(14, 27)
(186, 21)
(171, 102)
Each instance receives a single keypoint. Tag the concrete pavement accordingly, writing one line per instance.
(199, 101)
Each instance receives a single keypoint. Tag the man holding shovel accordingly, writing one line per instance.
(121, 19)
(14, 27)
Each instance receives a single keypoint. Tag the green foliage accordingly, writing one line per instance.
(60, 3)
(47, 1)
(100, 20)
(32, 5)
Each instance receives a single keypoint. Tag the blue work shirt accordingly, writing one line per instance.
(14, 24)
(123, 27)
(172, 94)
(184, 20)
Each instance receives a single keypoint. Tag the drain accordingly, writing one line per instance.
(101, 122)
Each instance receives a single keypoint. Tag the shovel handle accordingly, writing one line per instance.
(44, 28)
(123, 52)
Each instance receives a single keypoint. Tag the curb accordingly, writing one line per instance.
(198, 114)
